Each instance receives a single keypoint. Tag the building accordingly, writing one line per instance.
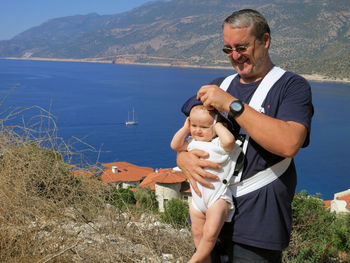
(168, 184)
(124, 174)
(340, 203)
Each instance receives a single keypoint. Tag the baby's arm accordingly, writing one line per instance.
(227, 140)
(179, 142)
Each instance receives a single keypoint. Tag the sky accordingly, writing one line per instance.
(17, 16)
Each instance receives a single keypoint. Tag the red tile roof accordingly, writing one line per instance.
(164, 176)
(149, 182)
(127, 172)
(327, 203)
(168, 176)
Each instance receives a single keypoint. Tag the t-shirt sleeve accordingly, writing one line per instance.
(296, 104)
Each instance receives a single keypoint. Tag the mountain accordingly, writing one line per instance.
(308, 36)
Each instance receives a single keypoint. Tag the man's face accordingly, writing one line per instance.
(251, 63)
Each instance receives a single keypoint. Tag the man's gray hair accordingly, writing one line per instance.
(249, 18)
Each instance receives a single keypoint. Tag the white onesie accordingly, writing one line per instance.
(227, 160)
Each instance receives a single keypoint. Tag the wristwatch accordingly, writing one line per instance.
(236, 108)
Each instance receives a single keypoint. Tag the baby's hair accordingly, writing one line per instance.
(213, 113)
(203, 108)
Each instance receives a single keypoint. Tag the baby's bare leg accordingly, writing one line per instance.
(215, 218)
(197, 224)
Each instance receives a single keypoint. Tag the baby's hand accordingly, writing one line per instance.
(187, 124)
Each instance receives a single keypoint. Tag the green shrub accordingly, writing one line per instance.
(146, 199)
(176, 213)
(123, 197)
(312, 230)
(341, 237)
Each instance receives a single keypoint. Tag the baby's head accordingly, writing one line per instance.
(202, 123)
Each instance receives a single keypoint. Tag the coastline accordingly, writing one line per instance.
(310, 77)
(321, 78)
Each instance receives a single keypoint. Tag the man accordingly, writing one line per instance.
(261, 227)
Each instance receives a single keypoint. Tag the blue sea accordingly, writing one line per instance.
(90, 104)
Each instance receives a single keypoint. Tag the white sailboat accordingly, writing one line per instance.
(132, 121)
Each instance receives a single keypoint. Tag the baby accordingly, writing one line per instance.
(209, 211)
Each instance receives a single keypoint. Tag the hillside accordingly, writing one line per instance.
(48, 214)
(308, 36)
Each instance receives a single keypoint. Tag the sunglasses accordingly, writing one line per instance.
(239, 49)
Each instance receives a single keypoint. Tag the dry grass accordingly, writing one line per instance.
(49, 215)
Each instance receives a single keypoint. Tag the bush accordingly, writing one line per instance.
(146, 199)
(123, 197)
(38, 172)
(341, 237)
(312, 231)
(176, 213)
(37, 187)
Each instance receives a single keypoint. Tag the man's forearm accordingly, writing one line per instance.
(276, 136)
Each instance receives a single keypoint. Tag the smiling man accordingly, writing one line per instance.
(273, 109)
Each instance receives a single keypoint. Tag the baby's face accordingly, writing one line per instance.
(201, 126)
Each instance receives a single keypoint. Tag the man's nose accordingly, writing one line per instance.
(235, 55)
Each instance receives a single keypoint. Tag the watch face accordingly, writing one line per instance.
(236, 106)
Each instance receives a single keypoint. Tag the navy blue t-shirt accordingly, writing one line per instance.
(263, 218)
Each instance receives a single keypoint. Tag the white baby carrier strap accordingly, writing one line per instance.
(227, 81)
(272, 173)
(261, 178)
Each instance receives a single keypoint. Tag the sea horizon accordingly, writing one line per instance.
(310, 77)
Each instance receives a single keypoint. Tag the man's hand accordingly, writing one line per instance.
(214, 97)
(193, 167)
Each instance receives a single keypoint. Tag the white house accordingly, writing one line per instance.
(124, 174)
(340, 203)
(168, 184)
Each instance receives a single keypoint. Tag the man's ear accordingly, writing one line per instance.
(266, 40)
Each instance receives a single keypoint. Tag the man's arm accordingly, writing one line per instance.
(283, 138)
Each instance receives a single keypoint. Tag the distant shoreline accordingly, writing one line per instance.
(310, 77)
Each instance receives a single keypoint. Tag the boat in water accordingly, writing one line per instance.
(131, 121)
